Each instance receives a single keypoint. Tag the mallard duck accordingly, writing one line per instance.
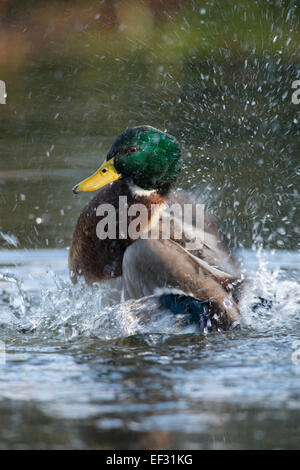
(143, 164)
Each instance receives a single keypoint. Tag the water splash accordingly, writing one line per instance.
(68, 312)
(19, 302)
(281, 291)
(10, 239)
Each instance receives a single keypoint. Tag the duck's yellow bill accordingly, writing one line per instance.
(105, 175)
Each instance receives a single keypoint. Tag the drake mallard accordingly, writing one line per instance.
(143, 164)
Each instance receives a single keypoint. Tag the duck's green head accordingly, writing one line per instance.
(146, 156)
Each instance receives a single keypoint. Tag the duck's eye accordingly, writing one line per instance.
(133, 149)
(104, 170)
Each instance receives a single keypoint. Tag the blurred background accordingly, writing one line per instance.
(217, 75)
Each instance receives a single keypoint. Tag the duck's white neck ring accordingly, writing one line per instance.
(137, 191)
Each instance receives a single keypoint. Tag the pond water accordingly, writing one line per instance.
(83, 371)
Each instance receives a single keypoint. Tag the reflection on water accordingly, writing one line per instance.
(84, 372)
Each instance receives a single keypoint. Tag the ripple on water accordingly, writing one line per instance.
(76, 352)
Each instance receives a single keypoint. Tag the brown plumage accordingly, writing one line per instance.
(143, 163)
(98, 260)
(153, 266)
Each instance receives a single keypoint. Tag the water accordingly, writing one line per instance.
(83, 371)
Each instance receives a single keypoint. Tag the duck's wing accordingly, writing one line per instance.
(207, 241)
(163, 266)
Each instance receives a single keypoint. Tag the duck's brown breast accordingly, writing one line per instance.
(95, 259)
